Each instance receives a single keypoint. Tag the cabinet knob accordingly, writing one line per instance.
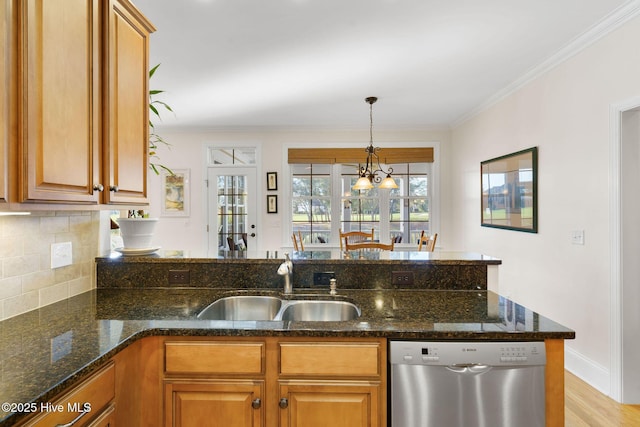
(253, 234)
(98, 187)
(284, 403)
(114, 188)
(256, 403)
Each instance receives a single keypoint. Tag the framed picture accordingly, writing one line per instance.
(272, 203)
(272, 181)
(175, 193)
(509, 191)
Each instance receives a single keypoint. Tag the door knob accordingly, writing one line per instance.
(98, 187)
(114, 188)
(284, 403)
(256, 403)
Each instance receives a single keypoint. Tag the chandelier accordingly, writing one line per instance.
(369, 175)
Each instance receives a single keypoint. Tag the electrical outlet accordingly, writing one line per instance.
(179, 277)
(61, 254)
(402, 277)
(323, 278)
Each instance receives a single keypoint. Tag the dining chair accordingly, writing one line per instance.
(372, 246)
(232, 244)
(428, 242)
(298, 245)
(355, 237)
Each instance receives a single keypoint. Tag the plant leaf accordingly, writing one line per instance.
(153, 70)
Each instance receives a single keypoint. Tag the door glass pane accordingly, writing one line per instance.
(232, 212)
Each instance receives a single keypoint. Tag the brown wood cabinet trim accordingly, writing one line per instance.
(97, 390)
(312, 359)
(358, 155)
(218, 357)
(554, 383)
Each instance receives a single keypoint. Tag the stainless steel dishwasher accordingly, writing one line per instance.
(469, 384)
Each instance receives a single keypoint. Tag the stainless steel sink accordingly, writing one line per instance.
(242, 307)
(261, 307)
(319, 311)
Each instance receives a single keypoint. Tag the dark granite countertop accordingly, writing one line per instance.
(335, 255)
(47, 350)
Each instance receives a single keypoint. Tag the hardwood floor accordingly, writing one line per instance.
(585, 406)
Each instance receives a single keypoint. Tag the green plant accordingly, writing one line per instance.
(156, 140)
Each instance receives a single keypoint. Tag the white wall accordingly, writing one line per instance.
(187, 152)
(564, 112)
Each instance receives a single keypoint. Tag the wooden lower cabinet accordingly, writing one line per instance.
(214, 403)
(88, 404)
(336, 404)
(107, 418)
(274, 382)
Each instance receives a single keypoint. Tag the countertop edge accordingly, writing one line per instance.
(77, 376)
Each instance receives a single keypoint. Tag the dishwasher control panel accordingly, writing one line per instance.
(456, 353)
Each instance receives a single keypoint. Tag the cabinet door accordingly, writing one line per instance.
(6, 52)
(329, 403)
(92, 394)
(107, 418)
(214, 403)
(60, 101)
(126, 118)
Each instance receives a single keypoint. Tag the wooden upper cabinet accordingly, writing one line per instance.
(60, 102)
(126, 116)
(83, 91)
(6, 96)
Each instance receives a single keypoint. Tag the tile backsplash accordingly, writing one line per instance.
(27, 281)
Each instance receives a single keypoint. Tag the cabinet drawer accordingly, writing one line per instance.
(214, 357)
(95, 392)
(348, 359)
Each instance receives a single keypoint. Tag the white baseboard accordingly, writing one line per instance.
(594, 374)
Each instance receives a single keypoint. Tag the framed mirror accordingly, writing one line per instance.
(509, 191)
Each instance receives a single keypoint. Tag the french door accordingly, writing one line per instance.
(232, 209)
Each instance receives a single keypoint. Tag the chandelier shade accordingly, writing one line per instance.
(369, 173)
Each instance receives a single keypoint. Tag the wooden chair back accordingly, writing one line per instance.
(428, 242)
(371, 246)
(232, 244)
(298, 245)
(354, 237)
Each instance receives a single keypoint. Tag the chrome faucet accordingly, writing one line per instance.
(286, 270)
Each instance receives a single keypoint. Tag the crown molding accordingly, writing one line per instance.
(611, 22)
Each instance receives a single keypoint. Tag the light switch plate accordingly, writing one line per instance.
(577, 237)
(61, 254)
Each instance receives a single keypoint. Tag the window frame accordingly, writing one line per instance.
(336, 199)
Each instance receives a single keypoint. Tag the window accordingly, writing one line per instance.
(311, 202)
(322, 192)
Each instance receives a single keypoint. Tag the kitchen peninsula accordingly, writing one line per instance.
(142, 336)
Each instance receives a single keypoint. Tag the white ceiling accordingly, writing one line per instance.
(311, 63)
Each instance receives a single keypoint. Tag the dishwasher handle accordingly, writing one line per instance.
(470, 368)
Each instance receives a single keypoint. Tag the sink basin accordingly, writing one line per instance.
(242, 307)
(319, 311)
(262, 307)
